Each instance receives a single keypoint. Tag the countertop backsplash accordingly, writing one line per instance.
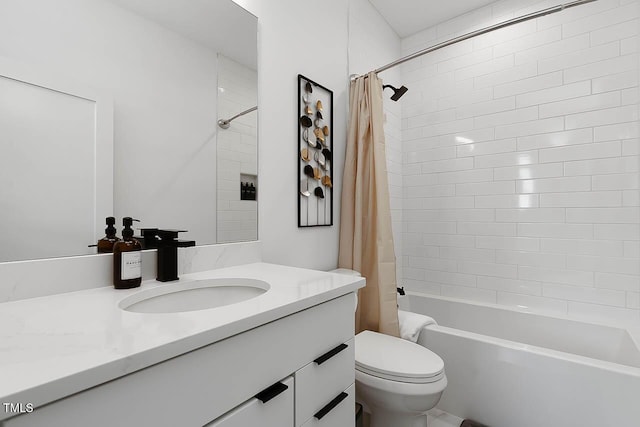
(36, 278)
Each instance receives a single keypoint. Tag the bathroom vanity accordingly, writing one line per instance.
(283, 358)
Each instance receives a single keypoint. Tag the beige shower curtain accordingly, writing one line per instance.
(366, 240)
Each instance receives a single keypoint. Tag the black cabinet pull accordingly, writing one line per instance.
(335, 402)
(269, 393)
(329, 354)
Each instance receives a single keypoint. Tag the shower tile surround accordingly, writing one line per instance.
(520, 161)
(237, 151)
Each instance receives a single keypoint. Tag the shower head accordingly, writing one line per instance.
(397, 93)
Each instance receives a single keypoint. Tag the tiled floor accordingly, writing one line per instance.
(435, 418)
(438, 418)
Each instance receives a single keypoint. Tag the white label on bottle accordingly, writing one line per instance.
(131, 267)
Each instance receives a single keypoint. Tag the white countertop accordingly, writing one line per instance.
(54, 346)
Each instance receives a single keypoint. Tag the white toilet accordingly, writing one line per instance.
(398, 381)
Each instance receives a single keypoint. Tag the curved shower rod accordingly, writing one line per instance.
(503, 24)
(224, 124)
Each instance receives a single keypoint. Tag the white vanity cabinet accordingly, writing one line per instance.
(215, 385)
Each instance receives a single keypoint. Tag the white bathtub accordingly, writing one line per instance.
(508, 368)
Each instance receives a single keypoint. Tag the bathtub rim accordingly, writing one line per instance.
(514, 345)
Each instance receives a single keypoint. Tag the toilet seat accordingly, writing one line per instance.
(395, 359)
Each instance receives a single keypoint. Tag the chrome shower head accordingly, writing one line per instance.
(397, 93)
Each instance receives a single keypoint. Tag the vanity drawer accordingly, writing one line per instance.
(271, 408)
(337, 413)
(323, 379)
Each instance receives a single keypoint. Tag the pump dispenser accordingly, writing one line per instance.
(127, 258)
(105, 245)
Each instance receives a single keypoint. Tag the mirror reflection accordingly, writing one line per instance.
(237, 152)
(149, 79)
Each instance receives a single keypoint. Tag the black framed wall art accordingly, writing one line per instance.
(315, 154)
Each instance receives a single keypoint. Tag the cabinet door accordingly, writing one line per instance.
(271, 408)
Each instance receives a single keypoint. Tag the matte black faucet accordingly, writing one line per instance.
(149, 238)
(167, 243)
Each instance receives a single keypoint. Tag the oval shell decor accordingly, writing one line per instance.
(315, 135)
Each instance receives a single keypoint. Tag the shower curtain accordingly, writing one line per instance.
(366, 239)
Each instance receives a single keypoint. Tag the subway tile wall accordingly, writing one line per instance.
(237, 151)
(521, 158)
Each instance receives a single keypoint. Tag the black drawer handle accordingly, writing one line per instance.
(335, 402)
(269, 393)
(329, 354)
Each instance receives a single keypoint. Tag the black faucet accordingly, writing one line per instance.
(167, 243)
(149, 238)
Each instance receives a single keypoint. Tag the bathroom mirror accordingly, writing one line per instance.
(165, 72)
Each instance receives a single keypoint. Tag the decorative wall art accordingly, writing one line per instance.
(315, 154)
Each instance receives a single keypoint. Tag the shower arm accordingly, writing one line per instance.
(224, 124)
(548, 11)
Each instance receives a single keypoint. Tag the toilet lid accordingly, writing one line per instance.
(394, 358)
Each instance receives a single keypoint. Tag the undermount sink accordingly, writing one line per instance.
(194, 295)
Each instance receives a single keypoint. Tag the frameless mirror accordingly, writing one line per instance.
(110, 107)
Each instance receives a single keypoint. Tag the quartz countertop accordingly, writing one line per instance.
(54, 346)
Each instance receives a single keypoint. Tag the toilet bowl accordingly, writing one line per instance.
(398, 381)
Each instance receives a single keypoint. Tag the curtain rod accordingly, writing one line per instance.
(224, 124)
(548, 11)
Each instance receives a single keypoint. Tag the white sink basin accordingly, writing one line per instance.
(194, 295)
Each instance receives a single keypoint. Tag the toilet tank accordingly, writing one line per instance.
(346, 271)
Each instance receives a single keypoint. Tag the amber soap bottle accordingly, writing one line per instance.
(127, 259)
(105, 245)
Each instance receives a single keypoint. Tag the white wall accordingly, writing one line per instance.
(164, 90)
(237, 151)
(521, 161)
(373, 43)
(309, 38)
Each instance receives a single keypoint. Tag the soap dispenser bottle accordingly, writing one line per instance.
(127, 259)
(105, 245)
